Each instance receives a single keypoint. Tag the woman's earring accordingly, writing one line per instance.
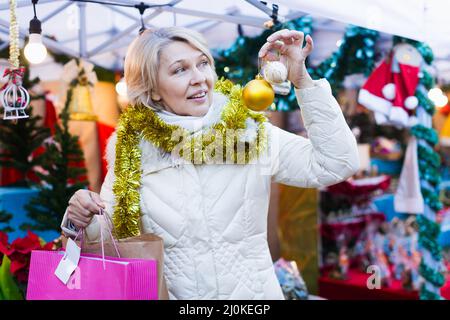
(154, 97)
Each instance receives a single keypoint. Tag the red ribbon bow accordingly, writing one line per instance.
(13, 74)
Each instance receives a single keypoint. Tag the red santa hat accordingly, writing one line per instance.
(379, 90)
(405, 101)
(389, 92)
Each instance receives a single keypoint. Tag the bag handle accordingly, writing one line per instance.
(113, 240)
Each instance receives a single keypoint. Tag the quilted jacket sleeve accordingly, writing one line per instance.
(329, 156)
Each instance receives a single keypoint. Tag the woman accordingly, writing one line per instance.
(212, 215)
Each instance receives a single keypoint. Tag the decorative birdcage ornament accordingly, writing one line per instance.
(14, 98)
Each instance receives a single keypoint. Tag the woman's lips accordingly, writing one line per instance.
(199, 99)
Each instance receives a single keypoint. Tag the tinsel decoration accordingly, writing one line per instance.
(14, 97)
(141, 122)
(431, 266)
(356, 54)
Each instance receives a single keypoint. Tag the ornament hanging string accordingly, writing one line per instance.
(14, 50)
(14, 97)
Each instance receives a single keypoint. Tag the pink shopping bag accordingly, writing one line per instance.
(91, 277)
(94, 278)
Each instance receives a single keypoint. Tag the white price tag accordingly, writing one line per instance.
(69, 262)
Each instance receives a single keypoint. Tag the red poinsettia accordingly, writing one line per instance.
(3, 245)
(19, 252)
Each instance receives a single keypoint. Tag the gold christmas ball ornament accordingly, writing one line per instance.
(258, 94)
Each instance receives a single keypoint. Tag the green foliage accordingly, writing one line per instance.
(356, 54)
(9, 290)
(18, 141)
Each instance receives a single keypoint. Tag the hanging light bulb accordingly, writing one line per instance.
(121, 88)
(434, 93)
(438, 97)
(35, 51)
(441, 101)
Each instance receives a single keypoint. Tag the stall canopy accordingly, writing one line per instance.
(102, 32)
(422, 20)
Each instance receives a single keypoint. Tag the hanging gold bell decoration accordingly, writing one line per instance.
(80, 107)
(258, 94)
(80, 77)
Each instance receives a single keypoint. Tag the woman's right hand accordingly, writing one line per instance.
(83, 205)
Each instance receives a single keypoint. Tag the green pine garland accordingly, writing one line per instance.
(425, 102)
(428, 295)
(356, 54)
(432, 276)
(429, 156)
(429, 162)
(428, 134)
(427, 80)
(431, 198)
(429, 174)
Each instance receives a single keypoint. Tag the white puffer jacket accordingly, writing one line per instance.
(213, 218)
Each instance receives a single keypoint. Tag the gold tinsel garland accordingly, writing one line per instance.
(14, 50)
(141, 122)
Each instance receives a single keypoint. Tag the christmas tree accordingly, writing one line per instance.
(20, 139)
(61, 177)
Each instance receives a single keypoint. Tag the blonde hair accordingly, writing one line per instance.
(143, 57)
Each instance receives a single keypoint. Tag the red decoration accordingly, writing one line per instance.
(355, 288)
(361, 187)
(104, 132)
(19, 252)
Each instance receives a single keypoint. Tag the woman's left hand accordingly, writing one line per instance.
(289, 44)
